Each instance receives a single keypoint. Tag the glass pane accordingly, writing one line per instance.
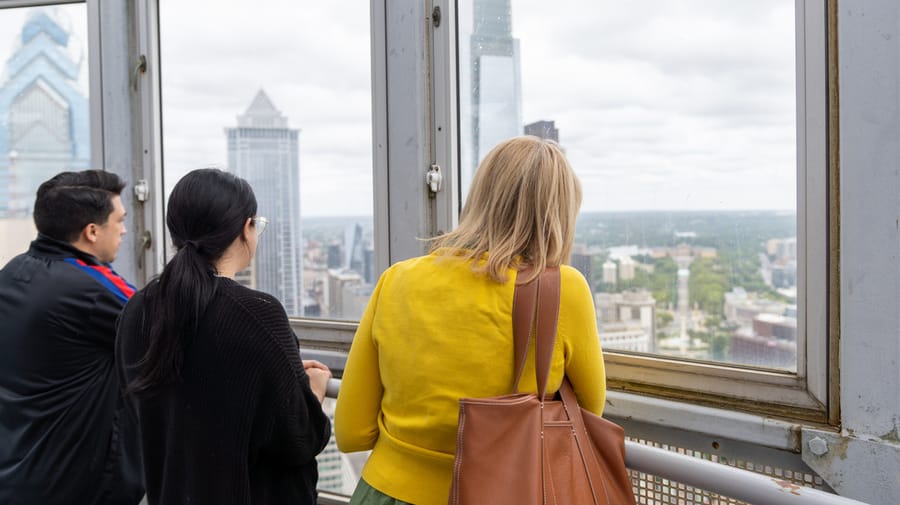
(680, 120)
(279, 92)
(44, 112)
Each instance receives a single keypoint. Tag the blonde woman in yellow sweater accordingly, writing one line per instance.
(439, 327)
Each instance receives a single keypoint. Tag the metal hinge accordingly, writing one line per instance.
(433, 178)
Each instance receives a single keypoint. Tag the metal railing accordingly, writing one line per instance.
(721, 479)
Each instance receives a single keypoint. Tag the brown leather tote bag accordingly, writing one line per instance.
(520, 449)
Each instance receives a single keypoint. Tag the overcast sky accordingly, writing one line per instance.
(661, 105)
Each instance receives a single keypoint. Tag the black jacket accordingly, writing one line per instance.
(241, 425)
(65, 434)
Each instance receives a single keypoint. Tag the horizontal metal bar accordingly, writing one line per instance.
(13, 4)
(725, 480)
(744, 427)
(326, 498)
(334, 385)
(324, 334)
(714, 477)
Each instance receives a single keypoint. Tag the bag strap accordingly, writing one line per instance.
(536, 304)
(546, 320)
(583, 438)
(524, 302)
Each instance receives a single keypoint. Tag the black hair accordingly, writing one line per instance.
(69, 201)
(206, 212)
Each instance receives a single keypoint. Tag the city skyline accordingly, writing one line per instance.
(649, 112)
(633, 126)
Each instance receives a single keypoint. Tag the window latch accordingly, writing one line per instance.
(434, 178)
(141, 190)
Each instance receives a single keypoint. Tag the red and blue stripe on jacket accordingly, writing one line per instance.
(112, 281)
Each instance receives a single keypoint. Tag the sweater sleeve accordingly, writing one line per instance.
(298, 427)
(359, 401)
(583, 356)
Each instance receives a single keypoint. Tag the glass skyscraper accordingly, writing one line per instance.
(44, 116)
(265, 152)
(496, 81)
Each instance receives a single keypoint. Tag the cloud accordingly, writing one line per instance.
(696, 95)
(659, 104)
(314, 63)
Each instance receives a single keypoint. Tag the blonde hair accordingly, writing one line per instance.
(521, 208)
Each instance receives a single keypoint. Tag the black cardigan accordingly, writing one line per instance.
(242, 425)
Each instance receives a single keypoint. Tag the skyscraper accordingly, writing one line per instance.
(44, 116)
(543, 129)
(496, 78)
(265, 152)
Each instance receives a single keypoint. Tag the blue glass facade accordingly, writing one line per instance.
(44, 116)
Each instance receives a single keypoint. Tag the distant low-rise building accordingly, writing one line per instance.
(338, 281)
(626, 268)
(627, 320)
(771, 341)
(741, 307)
(24, 232)
(610, 272)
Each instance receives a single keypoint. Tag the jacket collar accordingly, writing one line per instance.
(52, 248)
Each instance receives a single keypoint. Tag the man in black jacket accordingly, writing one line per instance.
(66, 436)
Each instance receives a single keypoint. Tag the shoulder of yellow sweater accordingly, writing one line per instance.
(569, 274)
(415, 264)
(574, 287)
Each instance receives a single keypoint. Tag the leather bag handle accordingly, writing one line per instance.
(536, 304)
(524, 304)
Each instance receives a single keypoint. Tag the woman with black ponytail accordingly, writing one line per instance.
(228, 411)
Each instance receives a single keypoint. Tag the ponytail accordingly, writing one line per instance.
(174, 305)
(206, 213)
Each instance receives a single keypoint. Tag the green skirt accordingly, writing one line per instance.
(368, 495)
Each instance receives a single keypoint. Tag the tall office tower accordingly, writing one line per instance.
(583, 260)
(265, 152)
(355, 252)
(496, 78)
(543, 129)
(44, 116)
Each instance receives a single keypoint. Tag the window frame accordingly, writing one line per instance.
(414, 70)
(806, 395)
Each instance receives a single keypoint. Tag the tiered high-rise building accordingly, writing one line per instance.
(265, 151)
(44, 116)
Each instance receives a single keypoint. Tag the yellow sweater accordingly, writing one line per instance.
(435, 332)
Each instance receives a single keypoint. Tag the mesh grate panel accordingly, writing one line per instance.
(652, 490)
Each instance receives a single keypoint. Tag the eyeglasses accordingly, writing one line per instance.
(260, 223)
